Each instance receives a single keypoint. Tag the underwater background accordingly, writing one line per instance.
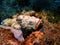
(11, 7)
(48, 31)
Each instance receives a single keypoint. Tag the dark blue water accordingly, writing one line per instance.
(11, 7)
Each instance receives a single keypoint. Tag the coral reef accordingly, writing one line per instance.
(47, 33)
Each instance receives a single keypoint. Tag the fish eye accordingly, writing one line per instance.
(30, 23)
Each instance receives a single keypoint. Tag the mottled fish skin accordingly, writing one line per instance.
(28, 21)
(17, 33)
